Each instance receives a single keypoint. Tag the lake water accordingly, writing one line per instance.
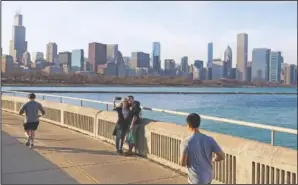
(276, 110)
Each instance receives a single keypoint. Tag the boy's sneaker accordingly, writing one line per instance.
(32, 146)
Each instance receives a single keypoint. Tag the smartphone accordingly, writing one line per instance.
(116, 99)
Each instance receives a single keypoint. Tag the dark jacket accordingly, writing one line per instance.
(135, 111)
(123, 123)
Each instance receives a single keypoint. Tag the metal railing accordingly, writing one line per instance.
(272, 129)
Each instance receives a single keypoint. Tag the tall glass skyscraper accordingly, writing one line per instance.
(18, 44)
(260, 64)
(184, 64)
(210, 55)
(156, 57)
(77, 59)
(275, 66)
(228, 55)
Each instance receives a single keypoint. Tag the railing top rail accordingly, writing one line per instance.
(225, 120)
(66, 97)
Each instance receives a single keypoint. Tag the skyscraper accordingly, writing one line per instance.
(170, 65)
(184, 64)
(97, 55)
(156, 57)
(140, 60)
(77, 59)
(199, 64)
(210, 55)
(65, 59)
(18, 44)
(248, 71)
(228, 56)
(242, 52)
(121, 67)
(218, 67)
(36, 56)
(127, 61)
(284, 73)
(275, 66)
(260, 64)
(26, 59)
(112, 52)
(52, 52)
(293, 74)
(6, 64)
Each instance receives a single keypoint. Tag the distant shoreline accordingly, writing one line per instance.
(137, 85)
(156, 92)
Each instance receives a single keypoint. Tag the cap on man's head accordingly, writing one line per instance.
(31, 96)
(193, 120)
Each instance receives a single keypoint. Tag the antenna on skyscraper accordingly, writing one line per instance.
(18, 12)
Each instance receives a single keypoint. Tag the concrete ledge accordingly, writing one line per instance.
(246, 161)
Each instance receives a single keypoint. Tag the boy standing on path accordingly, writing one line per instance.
(31, 122)
(196, 153)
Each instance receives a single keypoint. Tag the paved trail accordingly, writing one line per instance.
(62, 156)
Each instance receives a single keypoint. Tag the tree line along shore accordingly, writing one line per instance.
(40, 79)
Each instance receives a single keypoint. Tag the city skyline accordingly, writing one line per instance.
(176, 42)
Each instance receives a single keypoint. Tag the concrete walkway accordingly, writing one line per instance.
(62, 156)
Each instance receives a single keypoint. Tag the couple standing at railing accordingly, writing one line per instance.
(127, 124)
(196, 150)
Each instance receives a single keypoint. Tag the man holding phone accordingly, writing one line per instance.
(135, 122)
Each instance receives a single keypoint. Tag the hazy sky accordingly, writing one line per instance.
(183, 28)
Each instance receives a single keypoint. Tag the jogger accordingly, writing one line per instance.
(31, 122)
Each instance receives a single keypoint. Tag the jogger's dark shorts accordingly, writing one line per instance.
(31, 126)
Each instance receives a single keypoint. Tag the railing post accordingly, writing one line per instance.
(107, 106)
(272, 137)
(81, 103)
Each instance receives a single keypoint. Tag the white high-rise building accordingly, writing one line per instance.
(242, 54)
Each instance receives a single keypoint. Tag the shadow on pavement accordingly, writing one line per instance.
(76, 150)
(22, 165)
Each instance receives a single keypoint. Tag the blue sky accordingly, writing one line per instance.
(183, 28)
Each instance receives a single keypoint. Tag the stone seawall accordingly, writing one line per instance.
(247, 161)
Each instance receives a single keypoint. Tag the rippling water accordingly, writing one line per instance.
(277, 110)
